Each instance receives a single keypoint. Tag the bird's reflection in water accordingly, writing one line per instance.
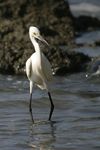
(42, 134)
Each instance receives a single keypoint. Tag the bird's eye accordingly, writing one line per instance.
(36, 34)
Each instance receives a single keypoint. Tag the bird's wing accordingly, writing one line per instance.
(28, 68)
(47, 68)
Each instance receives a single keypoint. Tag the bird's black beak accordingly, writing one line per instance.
(41, 39)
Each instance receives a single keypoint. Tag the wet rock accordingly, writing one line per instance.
(89, 23)
(94, 67)
(96, 43)
(64, 61)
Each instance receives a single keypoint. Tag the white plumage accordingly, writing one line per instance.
(36, 72)
(38, 68)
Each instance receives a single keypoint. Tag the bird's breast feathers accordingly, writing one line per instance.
(37, 70)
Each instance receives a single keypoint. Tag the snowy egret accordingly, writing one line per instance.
(38, 68)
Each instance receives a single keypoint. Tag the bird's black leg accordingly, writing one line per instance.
(30, 109)
(52, 106)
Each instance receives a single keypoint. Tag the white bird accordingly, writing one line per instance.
(38, 68)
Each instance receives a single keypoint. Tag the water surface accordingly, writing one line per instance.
(75, 122)
(76, 119)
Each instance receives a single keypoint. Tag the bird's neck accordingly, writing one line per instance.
(37, 50)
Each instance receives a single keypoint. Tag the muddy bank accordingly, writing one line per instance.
(57, 26)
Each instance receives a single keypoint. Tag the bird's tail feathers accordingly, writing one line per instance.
(41, 86)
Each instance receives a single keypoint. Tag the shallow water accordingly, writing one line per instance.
(75, 122)
(88, 37)
(76, 119)
(85, 7)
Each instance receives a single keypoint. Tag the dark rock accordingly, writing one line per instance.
(56, 24)
(64, 61)
(86, 23)
(96, 43)
(53, 18)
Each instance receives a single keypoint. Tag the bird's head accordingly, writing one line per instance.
(35, 33)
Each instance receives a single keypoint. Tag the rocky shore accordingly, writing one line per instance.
(57, 26)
